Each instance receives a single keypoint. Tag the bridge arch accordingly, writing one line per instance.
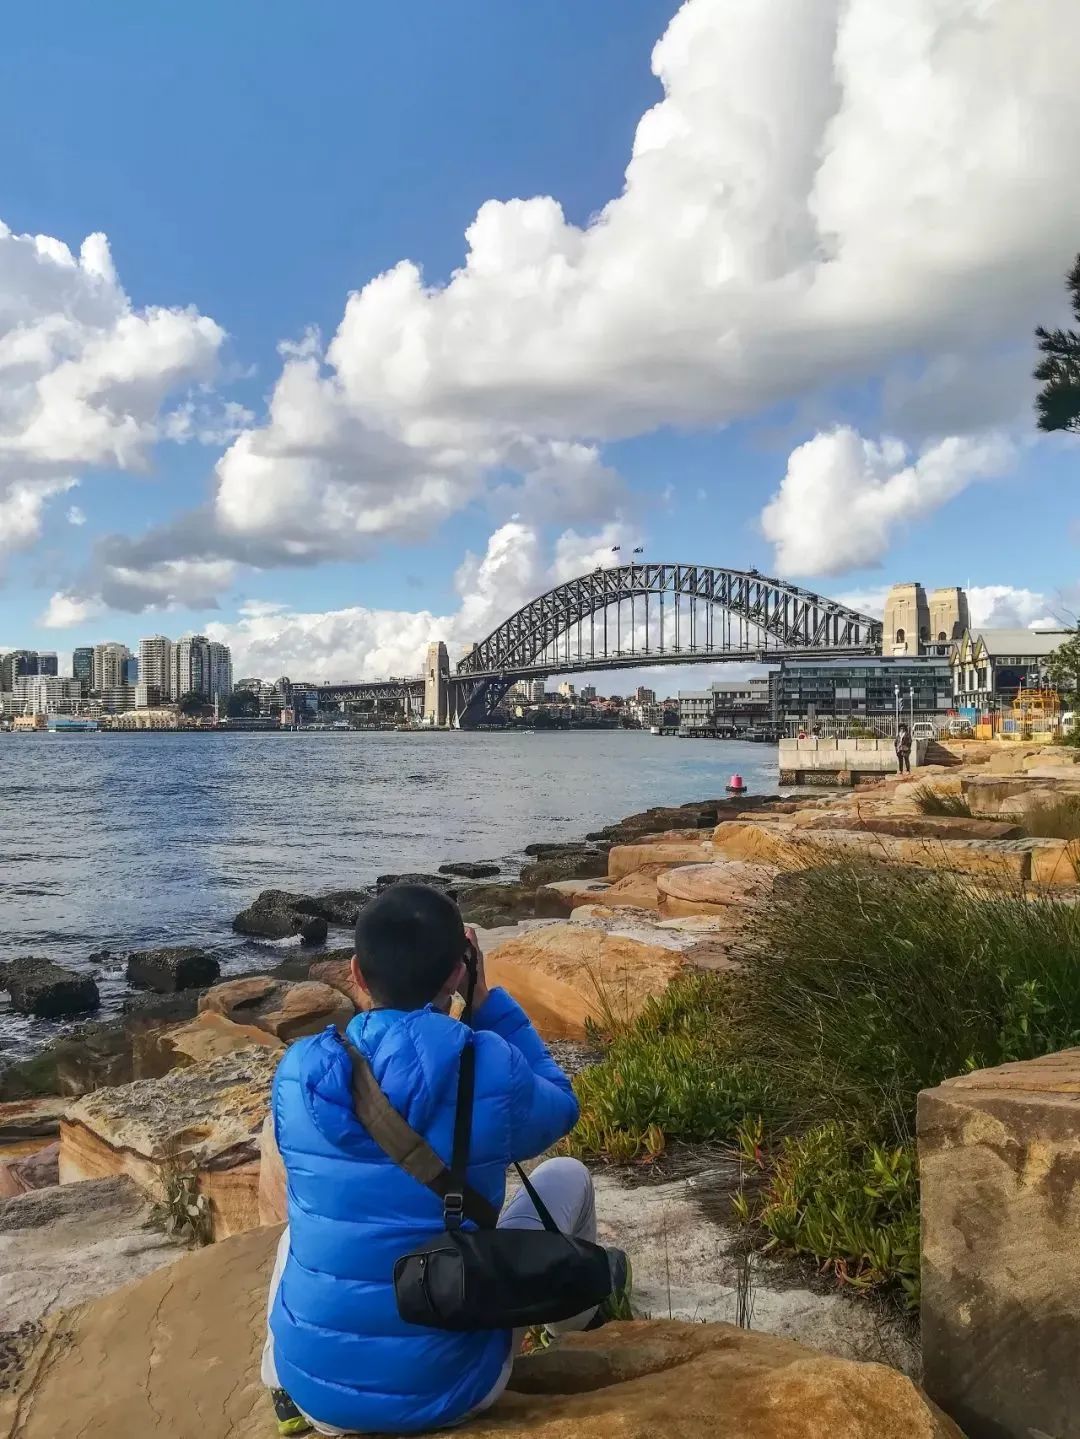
(759, 615)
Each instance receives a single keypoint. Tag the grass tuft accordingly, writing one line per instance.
(1056, 817)
(937, 802)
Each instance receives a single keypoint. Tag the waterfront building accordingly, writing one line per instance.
(30, 723)
(724, 704)
(47, 694)
(201, 667)
(117, 698)
(17, 664)
(860, 687)
(989, 666)
(643, 696)
(109, 661)
(11, 705)
(82, 667)
(156, 666)
(154, 718)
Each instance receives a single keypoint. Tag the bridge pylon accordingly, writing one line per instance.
(437, 685)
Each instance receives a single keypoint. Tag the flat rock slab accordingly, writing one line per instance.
(168, 970)
(285, 1009)
(75, 1242)
(176, 1356)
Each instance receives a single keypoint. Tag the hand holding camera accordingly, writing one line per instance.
(474, 965)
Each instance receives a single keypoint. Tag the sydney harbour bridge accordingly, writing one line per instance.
(626, 617)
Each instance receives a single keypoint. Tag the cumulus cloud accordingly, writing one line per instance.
(76, 516)
(83, 374)
(1007, 607)
(843, 495)
(825, 191)
(65, 610)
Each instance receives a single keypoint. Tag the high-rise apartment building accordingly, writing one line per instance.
(48, 663)
(202, 667)
(82, 667)
(109, 661)
(17, 664)
(47, 694)
(156, 669)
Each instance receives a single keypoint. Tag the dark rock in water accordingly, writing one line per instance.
(167, 970)
(582, 864)
(277, 914)
(47, 990)
(148, 1008)
(466, 869)
(493, 905)
(434, 881)
(541, 850)
(338, 907)
(102, 956)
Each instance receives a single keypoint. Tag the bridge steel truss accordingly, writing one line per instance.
(648, 614)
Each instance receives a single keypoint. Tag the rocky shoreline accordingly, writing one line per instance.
(164, 985)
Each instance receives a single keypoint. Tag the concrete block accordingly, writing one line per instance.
(999, 1154)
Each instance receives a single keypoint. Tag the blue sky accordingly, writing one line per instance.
(653, 376)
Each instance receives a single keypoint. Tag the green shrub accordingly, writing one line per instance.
(936, 801)
(868, 983)
(671, 1074)
(851, 1205)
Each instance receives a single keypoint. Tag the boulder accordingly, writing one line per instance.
(719, 888)
(167, 970)
(542, 849)
(282, 1009)
(636, 890)
(494, 905)
(67, 1244)
(568, 975)
(209, 1036)
(203, 1120)
(584, 864)
(274, 915)
(130, 1363)
(470, 869)
(336, 973)
(340, 907)
(991, 795)
(46, 990)
(32, 1171)
(999, 1155)
(433, 881)
(29, 1123)
(626, 858)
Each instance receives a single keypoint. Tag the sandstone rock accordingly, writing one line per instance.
(917, 826)
(992, 795)
(626, 858)
(469, 869)
(167, 970)
(24, 1120)
(336, 974)
(274, 916)
(585, 864)
(713, 888)
(278, 1007)
(47, 990)
(636, 890)
(203, 1120)
(627, 1381)
(565, 895)
(71, 1243)
(999, 1152)
(566, 975)
(209, 1036)
(32, 1171)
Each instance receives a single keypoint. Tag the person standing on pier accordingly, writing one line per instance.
(903, 749)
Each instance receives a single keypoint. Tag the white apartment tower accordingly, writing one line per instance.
(109, 662)
(202, 667)
(156, 669)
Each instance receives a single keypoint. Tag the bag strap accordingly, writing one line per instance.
(401, 1143)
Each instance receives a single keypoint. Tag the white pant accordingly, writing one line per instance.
(566, 1188)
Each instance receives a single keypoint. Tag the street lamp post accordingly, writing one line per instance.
(896, 698)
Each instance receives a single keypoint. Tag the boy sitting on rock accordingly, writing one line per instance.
(338, 1358)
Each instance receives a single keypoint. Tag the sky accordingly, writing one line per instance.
(329, 330)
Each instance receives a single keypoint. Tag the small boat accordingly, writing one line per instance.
(72, 724)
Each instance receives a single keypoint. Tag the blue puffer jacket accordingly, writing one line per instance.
(341, 1350)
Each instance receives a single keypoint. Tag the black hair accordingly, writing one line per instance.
(409, 941)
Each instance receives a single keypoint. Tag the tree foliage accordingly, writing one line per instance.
(1058, 402)
(242, 704)
(1063, 666)
(192, 704)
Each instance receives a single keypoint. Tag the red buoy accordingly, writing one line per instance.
(736, 784)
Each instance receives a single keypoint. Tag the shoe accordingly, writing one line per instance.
(289, 1419)
(617, 1306)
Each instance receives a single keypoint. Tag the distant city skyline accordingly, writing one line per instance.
(727, 284)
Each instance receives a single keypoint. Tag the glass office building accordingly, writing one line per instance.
(867, 686)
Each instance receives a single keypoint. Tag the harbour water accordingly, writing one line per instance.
(127, 841)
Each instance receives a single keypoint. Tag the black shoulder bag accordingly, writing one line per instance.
(483, 1277)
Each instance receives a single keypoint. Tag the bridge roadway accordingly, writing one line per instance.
(626, 617)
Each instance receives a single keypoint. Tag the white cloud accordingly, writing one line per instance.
(76, 516)
(843, 495)
(82, 373)
(64, 610)
(1007, 607)
(826, 191)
